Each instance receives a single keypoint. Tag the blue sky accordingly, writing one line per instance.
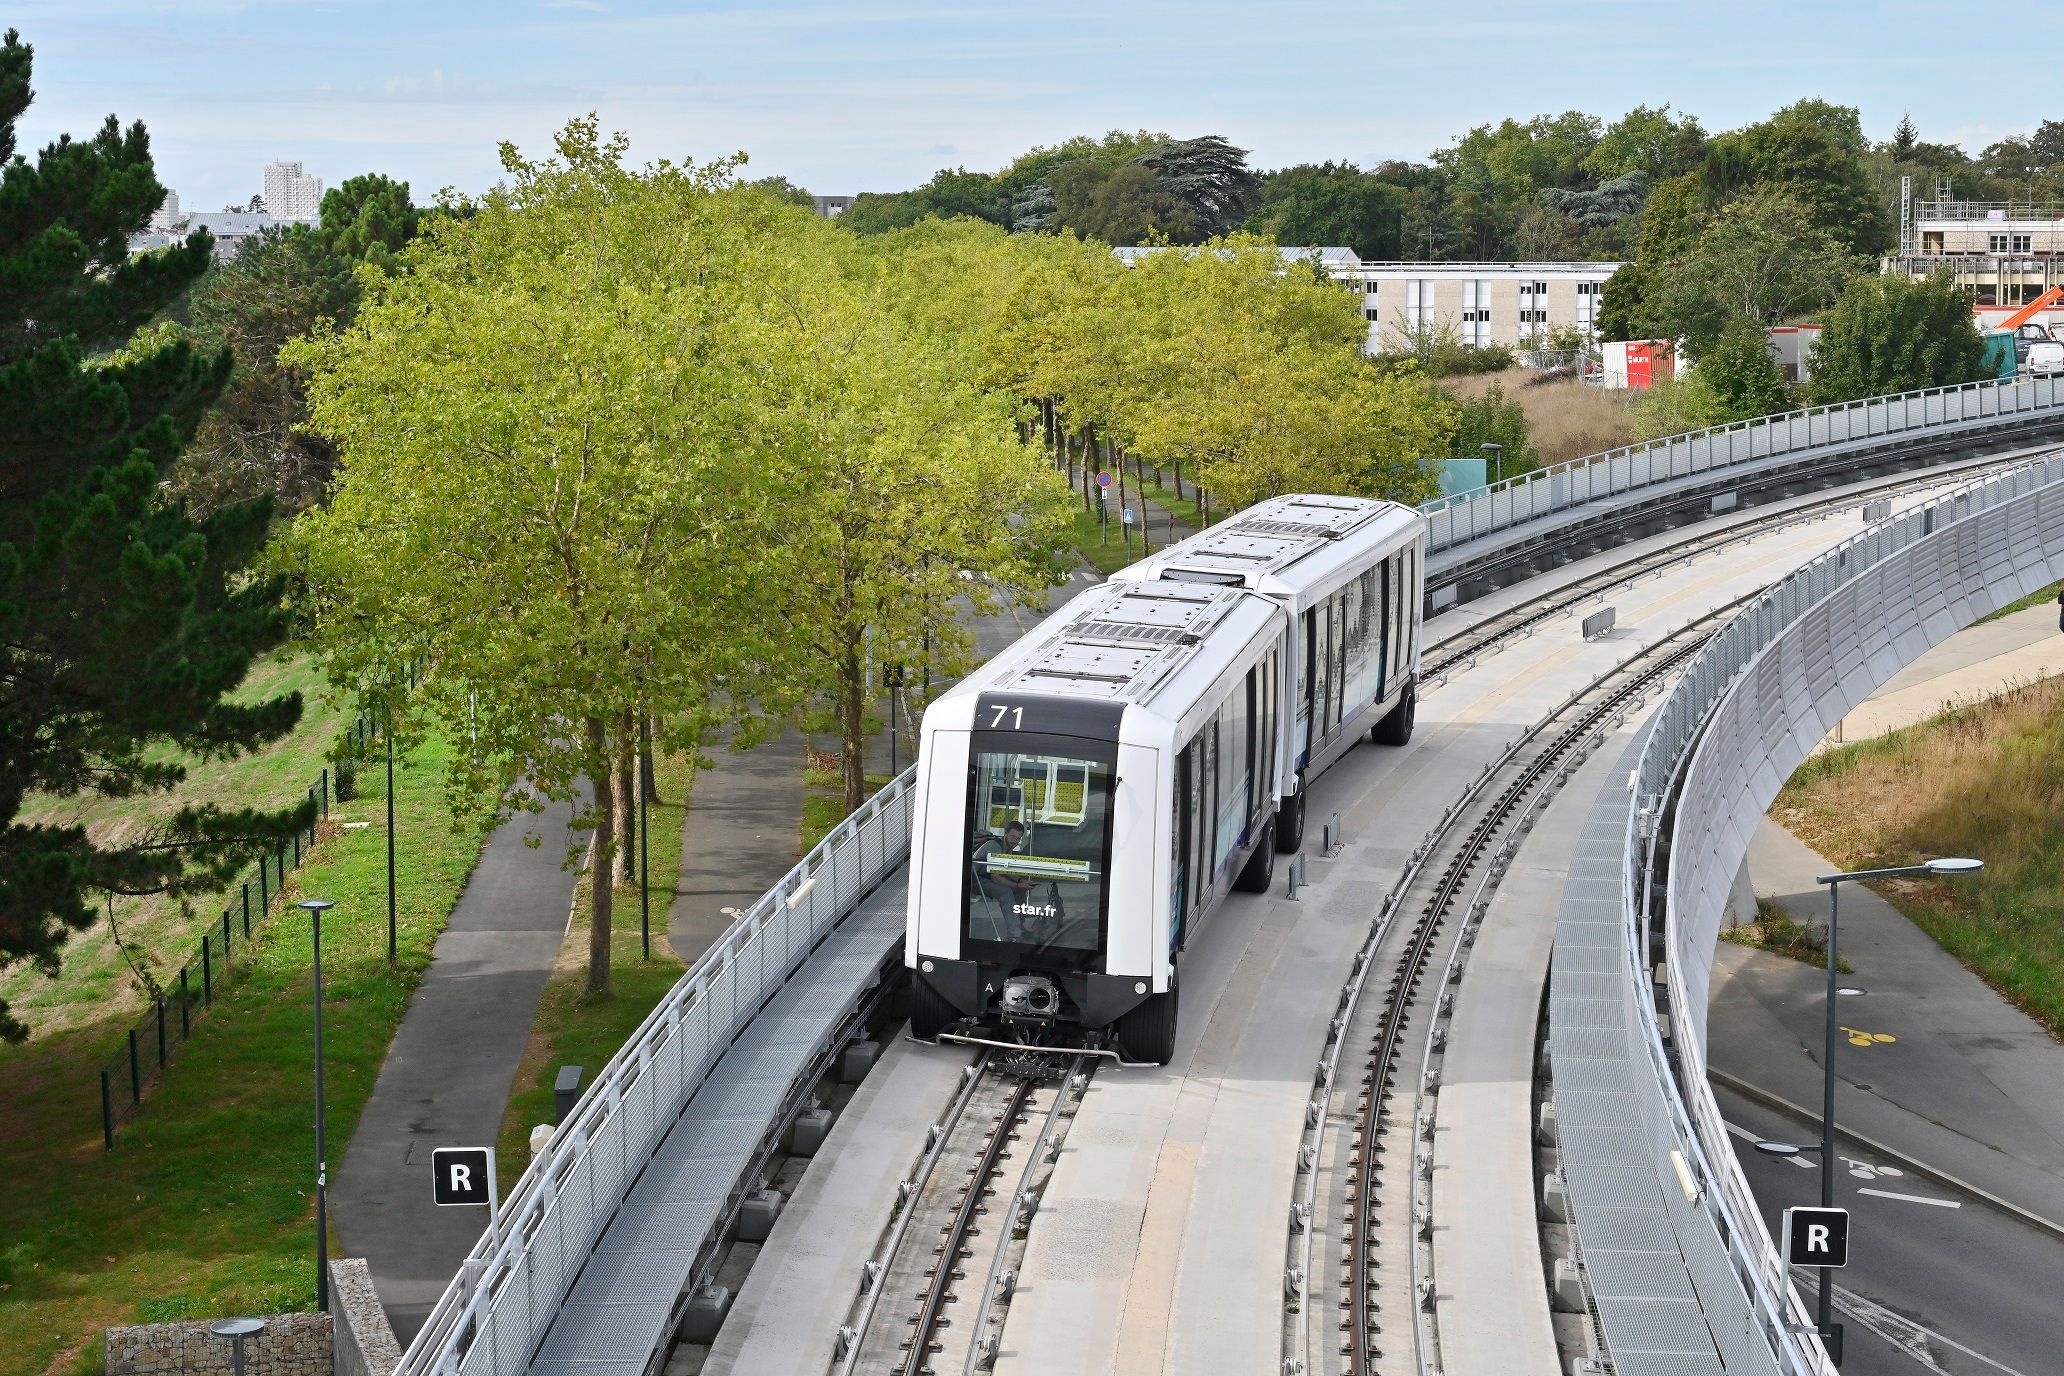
(877, 94)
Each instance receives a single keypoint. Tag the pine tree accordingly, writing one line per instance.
(122, 623)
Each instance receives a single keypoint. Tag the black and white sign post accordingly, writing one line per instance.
(464, 1177)
(1820, 1237)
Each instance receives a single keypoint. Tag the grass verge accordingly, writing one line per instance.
(1781, 934)
(2033, 599)
(1985, 780)
(824, 799)
(161, 934)
(573, 1029)
(1566, 419)
(204, 1206)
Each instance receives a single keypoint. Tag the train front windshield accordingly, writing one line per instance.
(1038, 848)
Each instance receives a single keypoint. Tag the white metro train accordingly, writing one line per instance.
(1087, 798)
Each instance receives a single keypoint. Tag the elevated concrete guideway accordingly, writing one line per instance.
(1220, 1174)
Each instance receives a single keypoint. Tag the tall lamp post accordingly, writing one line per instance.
(315, 907)
(1497, 455)
(1825, 1312)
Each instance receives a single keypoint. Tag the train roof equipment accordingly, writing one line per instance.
(1289, 548)
(1124, 643)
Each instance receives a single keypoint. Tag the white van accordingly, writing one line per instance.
(2045, 358)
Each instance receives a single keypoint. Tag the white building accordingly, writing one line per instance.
(231, 229)
(166, 217)
(1484, 303)
(290, 193)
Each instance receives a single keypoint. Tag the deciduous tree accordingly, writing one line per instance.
(1893, 334)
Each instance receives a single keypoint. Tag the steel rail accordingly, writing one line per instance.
(940, 1286)
(1630, 680)
(875, 1272)
(1072, 1082)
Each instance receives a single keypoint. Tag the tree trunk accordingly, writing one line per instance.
(645, 770)
(627, 803)
(600, 895)
(1178, 479)
(852, 712)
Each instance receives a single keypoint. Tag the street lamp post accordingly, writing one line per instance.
(1825, 1313)
(315, 908)
(390, 840)
(1497, 453)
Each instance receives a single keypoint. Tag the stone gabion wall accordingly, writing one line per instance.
(291, 1345)
(365, 1340)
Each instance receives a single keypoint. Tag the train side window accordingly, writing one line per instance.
(1322, 679)
(1334, 609)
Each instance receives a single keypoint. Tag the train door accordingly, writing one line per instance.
(1179, 852)
(1385, 587)
(1322, 680)
(1306, 678)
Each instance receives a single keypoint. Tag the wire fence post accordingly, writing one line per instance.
(264, 899)
(247, 907)
(207, 973)
(135, 1069)
(225, 936)
(297, 860)
(107, 1112)
(326, 791)
(185, 1008)
(163, 1053)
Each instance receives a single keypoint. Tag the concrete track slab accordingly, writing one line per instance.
(1972, 1086)
(447, 1074)
(804, 1282)
(1490, 1291)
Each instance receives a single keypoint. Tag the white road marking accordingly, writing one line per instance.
(1751, 1138)
(1912, 1198)
(1901, 1331)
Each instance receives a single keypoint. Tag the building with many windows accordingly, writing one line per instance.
(1484, 303)
(290, 193)
(2005, 255)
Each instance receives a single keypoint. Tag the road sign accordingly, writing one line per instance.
(1103, 479)
(1128, 515)
(1816, 1237)
(462, 1176)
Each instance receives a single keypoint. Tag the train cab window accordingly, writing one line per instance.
(1038, 844)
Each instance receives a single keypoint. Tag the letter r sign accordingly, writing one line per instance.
(462, 1176)
(1816, 1237)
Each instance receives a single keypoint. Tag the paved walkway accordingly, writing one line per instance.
(447, 1076)
(1978, 662)
(1971, 1086)
(744, 824)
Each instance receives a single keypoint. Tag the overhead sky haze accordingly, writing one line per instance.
(876, 95)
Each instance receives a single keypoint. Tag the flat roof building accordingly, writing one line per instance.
(2004, 254)
(1484, 303)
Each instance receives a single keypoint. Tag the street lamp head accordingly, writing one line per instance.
(315, 905)
(1784, 1149)
(1494, 448)
(1951, 864)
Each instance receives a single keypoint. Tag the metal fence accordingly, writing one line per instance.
(147, 1048)
(511, 1285)
(1544, 491)
(1748, 709)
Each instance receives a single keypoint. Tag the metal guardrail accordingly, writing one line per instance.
(511, 1285)
(1513, 501)
(1747, 710)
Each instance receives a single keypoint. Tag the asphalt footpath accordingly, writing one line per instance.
(1976, 663)
(1930, 1063)
(742, 832)
(448, 1073)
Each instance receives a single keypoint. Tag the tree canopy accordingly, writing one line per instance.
(124, 625)
(1893, 334)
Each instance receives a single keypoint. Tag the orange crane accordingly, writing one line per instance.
(2028, 312)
